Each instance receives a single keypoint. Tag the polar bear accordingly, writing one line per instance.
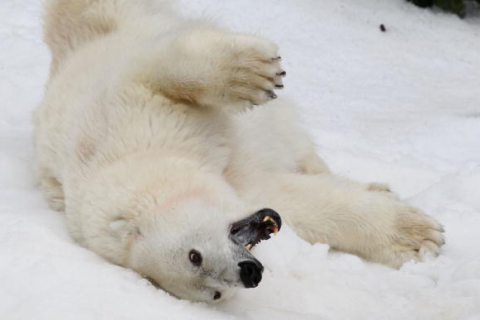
(163, 141)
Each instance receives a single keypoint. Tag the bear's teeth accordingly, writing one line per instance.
(249, 246)
(274, 228)
(268, 218)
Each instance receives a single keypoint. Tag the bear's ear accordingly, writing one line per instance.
(123, 228)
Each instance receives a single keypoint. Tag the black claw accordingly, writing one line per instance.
(279, 86)
(282, 74)
(277, 58)
(272, 95)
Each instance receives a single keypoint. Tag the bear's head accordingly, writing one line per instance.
(193, 249)
(184, 229)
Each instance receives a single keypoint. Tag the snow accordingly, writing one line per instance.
(400, 106)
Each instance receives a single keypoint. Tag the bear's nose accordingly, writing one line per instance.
(250, 273)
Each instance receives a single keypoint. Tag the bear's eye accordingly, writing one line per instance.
(217, 295)
(195, 257)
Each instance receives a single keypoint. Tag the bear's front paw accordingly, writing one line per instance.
(415, 237)
(254, 71)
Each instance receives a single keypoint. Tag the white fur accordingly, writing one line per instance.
(151, 140)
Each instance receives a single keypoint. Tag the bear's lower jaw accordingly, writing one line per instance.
(255, 228)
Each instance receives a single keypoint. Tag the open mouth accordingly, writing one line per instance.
(255, 228)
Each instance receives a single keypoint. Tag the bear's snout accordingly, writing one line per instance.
(250, 273)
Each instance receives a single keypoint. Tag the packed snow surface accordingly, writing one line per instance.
(401, 106)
